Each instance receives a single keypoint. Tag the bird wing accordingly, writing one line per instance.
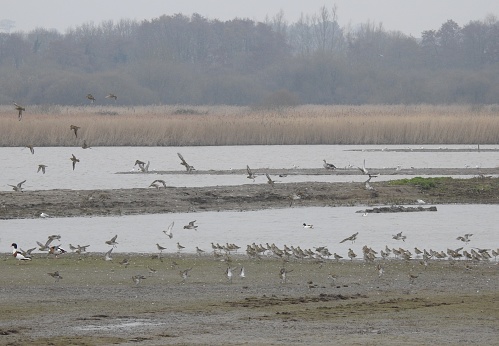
(182, 159)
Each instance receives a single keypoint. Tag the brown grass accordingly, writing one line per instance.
(226, 125)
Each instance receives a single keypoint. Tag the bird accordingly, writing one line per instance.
(112, 241)
(18, 254)
(56, 250)
(28, 252)
(191, 226)
(412, 277)
(283, 274)
(18, 187)
(399, 236)
(307, 225)
(30, 147)
(20, 110)
(269, 180)
(42, 168)
(251, 175)
(44, 215)
(111, 96)
(168, 231)
(160, 248)
(139, 162)
(44, 247)
(242, 274)
(229, 273)
(85, 145)
(107, 256)
(199, 252)
(184, 274)
(75, 129)
(420, 201)
(180, 247)
(91, 98)
(144, 168)
(160, 181)
(152, 271)
(380, 269)
(465, 238)
(352, 238)
(337, 257)
(125, 262)
(75, 160)
(55, 275)
(54, 237)
(363, 169)
(184, 163)
(138, 278)
(351, 254)
(328, 165)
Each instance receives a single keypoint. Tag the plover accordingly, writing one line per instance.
(107, 256)
(75, 160)
(112, 241)
(229, 273)
(18, 254)
(199, 252)
(184, 274)
(111, 96)
(20, 109)
(42, 168)
(180, 247)
(91, 98)
(18, 187)
(352, 238)
(152, 271)
(305, 225)
(168, 231)
(380, 270)
(125, 262)
(156, 182)
(351, 254)
(283, 274)
(44, 247)
(138, 278)
(251, 175)
(75, 129)
(55, 275)
(191, 225)
(242, 273)
(184, 163)
(160, 248)
(465, 238)
(399, 236)
(328, 165)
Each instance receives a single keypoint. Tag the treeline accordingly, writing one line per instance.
(194, 60)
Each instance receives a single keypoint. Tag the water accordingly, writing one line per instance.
(140, 233)
(98, 166)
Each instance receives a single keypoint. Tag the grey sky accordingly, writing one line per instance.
(409, 16)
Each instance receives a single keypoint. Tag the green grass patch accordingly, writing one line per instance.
(423, 183)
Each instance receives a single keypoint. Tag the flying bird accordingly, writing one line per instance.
(75, 129)
(157, 182)
(75, 160)
(55, 275)
(184, 274)
(91, 98)
(269, 180)
(30, 147)
(251, 175)
(18, 187)
(112, 96)
(466, 238)
(363, 169)
(184, 163)
(112, 241)
(399, 236)
(41, 168)
(191, 225)
(20, 110)
(352, 238)
(168, 231)
(138, 278)
(85, 145)
(107, 256)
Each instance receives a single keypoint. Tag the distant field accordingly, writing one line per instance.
(228, 125)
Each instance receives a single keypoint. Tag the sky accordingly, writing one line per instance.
(408, 16)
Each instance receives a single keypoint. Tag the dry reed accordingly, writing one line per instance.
(226, 125)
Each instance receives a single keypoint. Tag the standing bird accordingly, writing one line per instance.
(20, 109)
(251, 175)
(180, 247)
(18, 254)
(160, 248)
(41, 168)
(91, 98)
(328, 165)
(112, 96)
(75, 160)
(168, 231)
(184, 163)
(75, 129)
(18, 187)
(351, 254)
(307, 225)
(112, 241)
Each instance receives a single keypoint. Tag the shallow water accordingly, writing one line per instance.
(98, 166)
(140, 233)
